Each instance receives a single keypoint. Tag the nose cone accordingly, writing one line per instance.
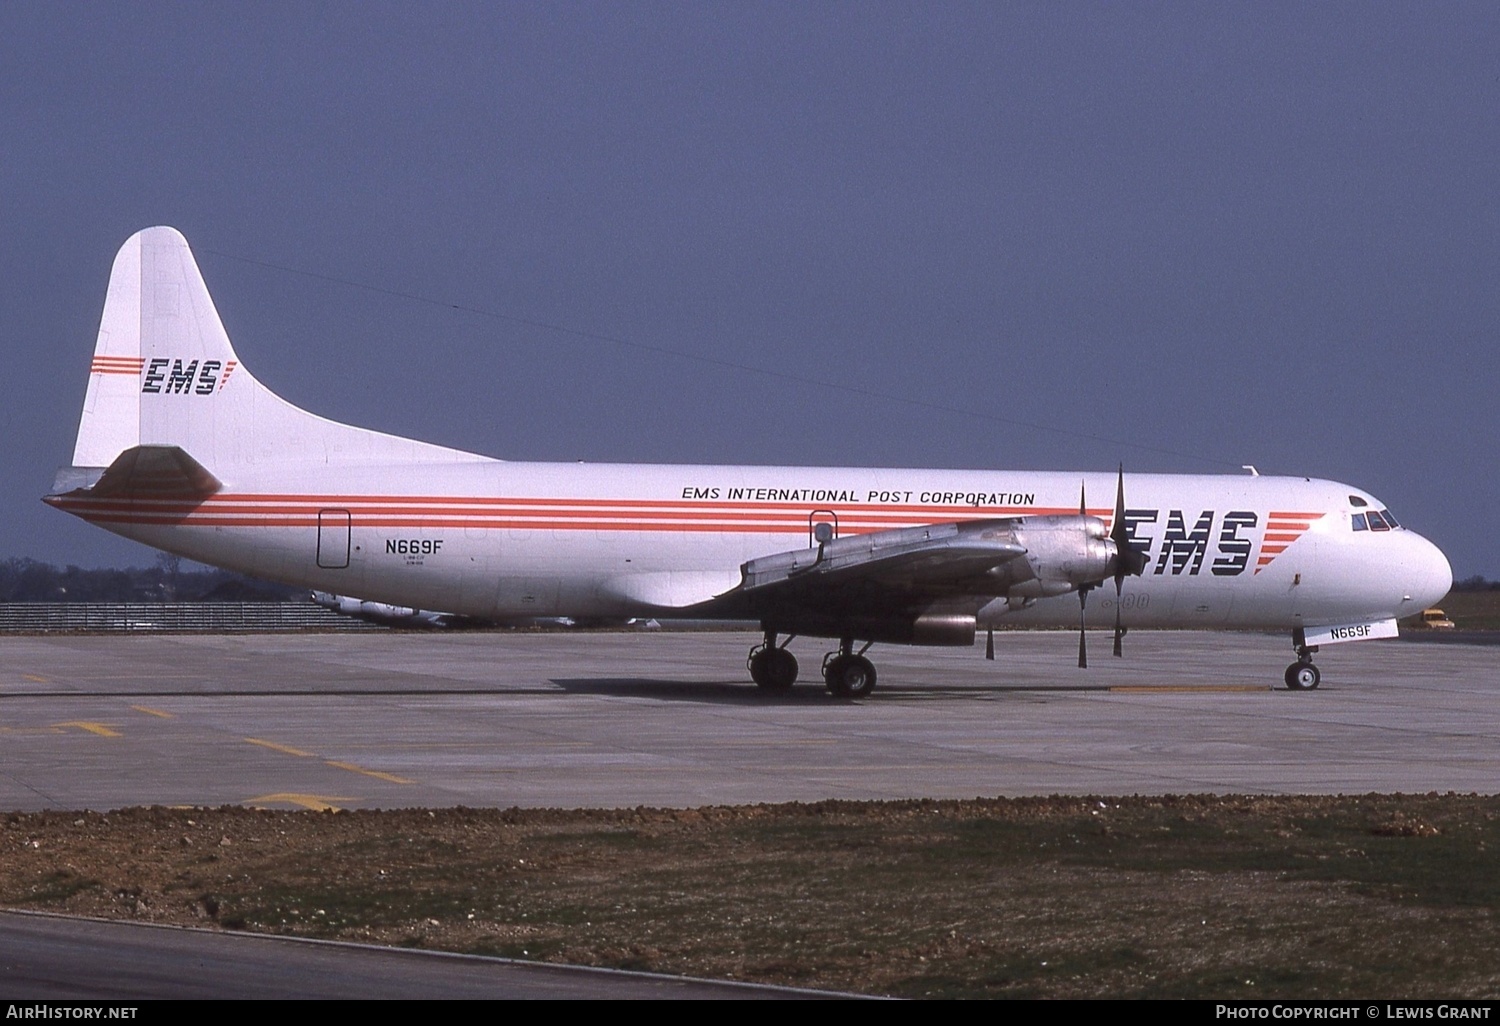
(1425, 574)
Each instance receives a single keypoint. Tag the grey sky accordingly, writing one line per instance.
(1240, 233)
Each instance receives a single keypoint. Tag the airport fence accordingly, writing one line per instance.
(173, 616)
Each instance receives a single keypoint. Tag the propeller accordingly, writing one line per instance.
(1083, 592)
(1083, 650)
(1128, 559)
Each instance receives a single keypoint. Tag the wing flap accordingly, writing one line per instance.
(937, 558)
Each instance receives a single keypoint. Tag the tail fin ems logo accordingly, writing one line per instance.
(169, 376)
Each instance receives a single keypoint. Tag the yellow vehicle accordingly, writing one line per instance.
(1436, 619)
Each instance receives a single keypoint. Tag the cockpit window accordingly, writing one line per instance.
(1372, 521)
(1357, 502)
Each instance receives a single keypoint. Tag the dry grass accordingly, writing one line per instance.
(1070, 897)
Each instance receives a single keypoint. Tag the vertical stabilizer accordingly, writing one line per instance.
(111, 410)
(164, 374)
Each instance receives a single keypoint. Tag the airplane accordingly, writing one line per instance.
(180, 447)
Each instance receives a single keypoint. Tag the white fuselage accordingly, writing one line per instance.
(496, 539)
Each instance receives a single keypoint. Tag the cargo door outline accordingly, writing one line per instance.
(333, 538)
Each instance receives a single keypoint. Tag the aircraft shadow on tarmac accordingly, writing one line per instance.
(737, 693)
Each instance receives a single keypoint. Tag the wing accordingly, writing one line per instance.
(933, 560)
(923, 583)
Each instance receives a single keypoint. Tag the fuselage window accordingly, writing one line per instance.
(1357, 502)
(1358, 520)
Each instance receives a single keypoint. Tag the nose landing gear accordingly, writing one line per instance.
(1302, 675)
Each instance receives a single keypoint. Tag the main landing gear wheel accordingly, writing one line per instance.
(1302, 676)
(849, 676)
(773, 669)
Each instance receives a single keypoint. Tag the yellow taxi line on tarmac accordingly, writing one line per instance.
(35, 679)
(283, 749)
(391, 777)
(336, 764)
(93, 728)
(153, 712)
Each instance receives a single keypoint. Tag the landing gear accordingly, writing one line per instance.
(1302, 675)
(849, 674)
(773, 668)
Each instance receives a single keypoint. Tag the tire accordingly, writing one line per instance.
(758, 664)
(774, 670)
(1302, 677)
(850, 676)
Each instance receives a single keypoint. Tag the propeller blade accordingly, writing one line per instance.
(1083, 650)
(1128, 559)
(1119, 630)
(989, 643)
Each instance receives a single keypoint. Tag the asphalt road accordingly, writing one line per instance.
(601, 719)
(53, 958)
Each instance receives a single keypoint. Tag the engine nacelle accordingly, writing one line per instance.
(943, 629)
(1071, 550)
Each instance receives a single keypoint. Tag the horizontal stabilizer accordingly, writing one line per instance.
(153, 472)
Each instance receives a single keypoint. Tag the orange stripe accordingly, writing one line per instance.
(498, 524)
(417, 517)
(127, 511)
(735, 504)
(749, 526)
(564, 507)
